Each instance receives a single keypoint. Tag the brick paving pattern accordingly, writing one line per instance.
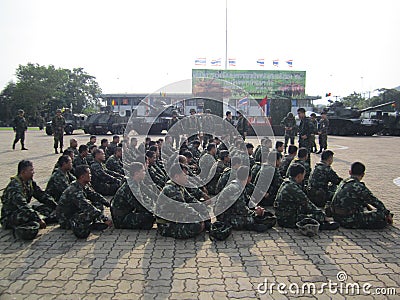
(129, 264)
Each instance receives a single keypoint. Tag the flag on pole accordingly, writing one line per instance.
(290, 63)
(275, 62)
(243, 101)
(200, 61)
(260, 62)
(232, 62)
(216, 62)
(264, 101)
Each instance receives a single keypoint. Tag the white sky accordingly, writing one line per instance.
(140, 46)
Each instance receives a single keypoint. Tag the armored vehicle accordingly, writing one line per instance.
(105, 122)
(72, 122)
(348, 121)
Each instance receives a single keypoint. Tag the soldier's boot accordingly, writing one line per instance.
(55, 151)
(13, 146)
(23, 147)
(61, 150)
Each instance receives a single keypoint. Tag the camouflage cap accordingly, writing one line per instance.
(28, 231)
(220, 231)
(308, 227)
(208, 111)
(20, 111)
(58, 110)
(192, 110)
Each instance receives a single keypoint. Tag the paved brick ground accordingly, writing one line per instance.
(126, 264)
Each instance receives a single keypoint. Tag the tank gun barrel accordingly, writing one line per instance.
(376, 106)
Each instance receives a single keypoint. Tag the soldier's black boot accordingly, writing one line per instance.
(23, 147)
(61, 150)
(13, 146)
(55, 151)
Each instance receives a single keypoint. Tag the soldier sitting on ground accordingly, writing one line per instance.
(66, 152)
(105, 182)
(206, 162)
(15, 210)
(80, 207)
(61, 178)
(288, 159)
(127, 208)
(114, 162)
(90, 156)
(268, 180)
(92, 141)
(104, 146)
(302, 159)
(81, 158)
(323, 180)
(292, 204)
(228, 174)
(156, 174)
(231, 206)
(113, 145)
(170, 223)
(217, 169)
(354, 205)
(250, 151)
(73, 145)
(263, 149)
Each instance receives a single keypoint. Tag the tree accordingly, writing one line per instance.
(354, 100)
(40, 90)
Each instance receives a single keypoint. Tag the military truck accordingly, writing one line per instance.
(72, 122)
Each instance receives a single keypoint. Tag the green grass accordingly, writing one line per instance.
(10, 128)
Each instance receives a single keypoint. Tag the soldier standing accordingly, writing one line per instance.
(207, 127)
(79, 208)
(20, 126)
(351, 199)
(242, 125)
(314, 123)
(305, 130)
(16, 210)
(289, 122)
(323, 127)
(177, 130)
(127, 208)
(192, 127)
(58, 124)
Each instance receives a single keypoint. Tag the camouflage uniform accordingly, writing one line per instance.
(16, 211)
(20, 126)
(306, 165)
(285, 164)
(261, 151)
(322, 184)
(261, 181)
(58, 124)
(238, 214)
(157, 176)
(58, 182)
(292, 205)
(105, 150)
(242, 126)
(349, 202)
(207, 127)
(305, 128)
(176, 131)
(111, 148)
(254, 171)
(227, 176)
(289, 133)
(79, 160)
(192, 127)
(75, 150)
(104, 181)
(127, 210)
(206, 163)
(115, 164)
(80, 205)
(323, 127)
(314, 124)
(174, 229)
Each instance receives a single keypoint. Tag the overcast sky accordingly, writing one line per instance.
(141, 46)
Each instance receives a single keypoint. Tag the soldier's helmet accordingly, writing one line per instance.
(220, 231)
(208, 111)
(308, 226)
(267, 219)
(20, 111)
(192, 110)
(58, 111)
(290, 115)
(28, 231)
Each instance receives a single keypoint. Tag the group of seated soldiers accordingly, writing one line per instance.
(229, 181)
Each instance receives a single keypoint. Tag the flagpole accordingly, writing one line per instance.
(226, 34)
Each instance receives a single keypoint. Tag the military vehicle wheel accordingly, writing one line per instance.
(69, 130)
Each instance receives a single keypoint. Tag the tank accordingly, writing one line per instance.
(72, 122)
(348, 121)
(105, 122)
(390, 120)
